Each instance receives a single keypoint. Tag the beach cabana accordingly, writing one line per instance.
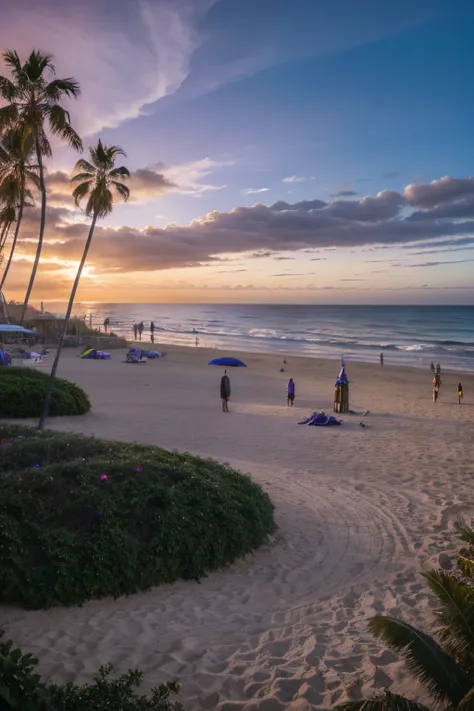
(228, 362)
(341, 392)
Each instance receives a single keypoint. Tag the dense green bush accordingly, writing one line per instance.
(21, 689)
(83, 518)
(22, 392)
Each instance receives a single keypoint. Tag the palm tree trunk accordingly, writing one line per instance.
(15, 237)
(41, 232)
(4, 236)
(5, 314)
(52, 377)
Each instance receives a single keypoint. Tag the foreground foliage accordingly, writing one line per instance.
(22, 392)
(84, 518)
(22, 688)
(444, 665)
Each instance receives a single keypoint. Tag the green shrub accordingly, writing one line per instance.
(84, 518)
(21, 689)
(22, 392)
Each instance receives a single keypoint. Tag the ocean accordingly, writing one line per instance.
(407, 335)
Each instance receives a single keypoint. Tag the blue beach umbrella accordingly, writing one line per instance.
(228, 362)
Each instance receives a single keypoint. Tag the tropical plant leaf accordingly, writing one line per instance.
(466, 566)
(444, 679)
(456, 616)
(465, 532)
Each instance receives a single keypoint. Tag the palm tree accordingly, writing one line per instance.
(16, 174)
(446, 667)
(32, 101)
(97, 181)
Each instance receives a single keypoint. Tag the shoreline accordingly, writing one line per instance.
(211, 351)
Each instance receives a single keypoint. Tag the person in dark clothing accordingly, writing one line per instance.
(106, 324)
(135, 331)
(225, 392)
(381, 359)
(141, 327)
(290, 397)
(460, 392)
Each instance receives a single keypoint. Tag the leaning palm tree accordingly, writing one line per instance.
(34, 97)
(445, 667)
(17, 175)
(97, 180)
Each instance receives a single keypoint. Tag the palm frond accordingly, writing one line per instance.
(427, 661)
(122, 190)
(101, 202)
(80, 191)
(466, 566)
(121, 172)
(456, 616)
(58, 88)
(84, 165)
(387, 702)
(81, 176)
(36, 65)
(8, 90)
(12, 60)
(8, 116)
(60, 125)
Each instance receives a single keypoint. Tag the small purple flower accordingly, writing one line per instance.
(103, 477)
(37, 466)
(139, 469)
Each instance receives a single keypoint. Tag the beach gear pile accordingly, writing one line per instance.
(93, 354)
(320, 419)
(138, 355)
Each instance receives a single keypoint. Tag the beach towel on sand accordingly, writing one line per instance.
(319, 419)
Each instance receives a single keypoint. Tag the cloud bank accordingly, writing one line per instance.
(264, 231)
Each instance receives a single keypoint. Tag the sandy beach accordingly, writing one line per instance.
(361, 511)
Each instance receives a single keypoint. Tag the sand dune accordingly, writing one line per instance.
(360, 511)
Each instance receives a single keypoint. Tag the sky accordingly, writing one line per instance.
(280, 151)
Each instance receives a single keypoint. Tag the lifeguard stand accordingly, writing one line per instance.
(341, 392)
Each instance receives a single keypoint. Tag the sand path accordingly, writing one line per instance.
(360, 511)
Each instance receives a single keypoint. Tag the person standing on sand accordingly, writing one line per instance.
(432, 367)
(290, 396)
(436, 386)
(381, 359)
(141, 327)
(225, 392)
(460, 393)
(106, 324)
(135, 331)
